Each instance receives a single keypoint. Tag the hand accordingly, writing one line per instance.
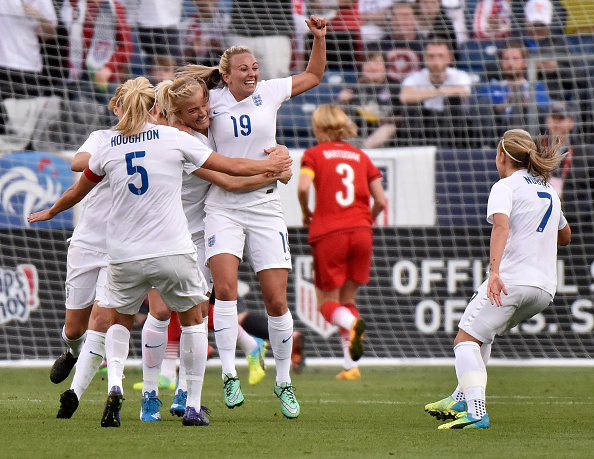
(278, 148)
(285, 176)
(179, 124)
(317, 26)
(102, 78)
(306, 217)
(40, 216)
(495, 286)
(279, 162)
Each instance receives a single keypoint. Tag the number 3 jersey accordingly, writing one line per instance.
(144, 171)
(535, 218)
(341, 177)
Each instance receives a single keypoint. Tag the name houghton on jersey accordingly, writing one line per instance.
(142, 137)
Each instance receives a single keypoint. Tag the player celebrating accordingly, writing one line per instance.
(243, 119)
(340, 232)
(147, 234)
(528, 223)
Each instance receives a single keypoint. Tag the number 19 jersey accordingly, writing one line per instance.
(535, 218)
(341, 177)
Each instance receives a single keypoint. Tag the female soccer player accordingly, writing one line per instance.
(340, 232)
(243, 119)
(148, 241)
(528, 224)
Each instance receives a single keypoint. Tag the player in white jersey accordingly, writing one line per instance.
(186, 99)
(528, 224)
(148, 241)
(243, 117)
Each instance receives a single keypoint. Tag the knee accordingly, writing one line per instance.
(74, 330)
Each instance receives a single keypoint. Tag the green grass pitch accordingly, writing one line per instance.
(535, 412)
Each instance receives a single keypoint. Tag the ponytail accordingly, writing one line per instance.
(136, 98)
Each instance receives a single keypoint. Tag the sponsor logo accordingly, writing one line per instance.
(30, 182)
(221, 329)
(257, 100)
(287, 339)
(19, 293)
(153, 347)
(305, 294)
(214, 112)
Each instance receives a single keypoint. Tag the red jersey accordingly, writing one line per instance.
(341, 178)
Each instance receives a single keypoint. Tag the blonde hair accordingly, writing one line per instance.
(136, 98)
(333, 122)
(171, 94)
(538, 158)
(212, 76)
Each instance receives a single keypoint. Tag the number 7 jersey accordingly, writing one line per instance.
(535, 218)
(341, 177)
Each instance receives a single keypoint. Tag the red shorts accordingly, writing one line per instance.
(342, 256)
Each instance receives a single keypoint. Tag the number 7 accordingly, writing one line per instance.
(545, 218)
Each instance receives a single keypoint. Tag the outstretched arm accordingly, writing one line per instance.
(71, 197)
(499, 235)
(317, 60)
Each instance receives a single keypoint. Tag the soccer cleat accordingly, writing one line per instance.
(356, 339)
(164, 383)
(68, 404)
(193, 418)
(113, 405)
(256, 362)
(62, 367)
(149, 407)
(298, 352)
(232, 387)
(289, 404)
(467, 421)
(448, 408)
(351, 374)
(178, 407)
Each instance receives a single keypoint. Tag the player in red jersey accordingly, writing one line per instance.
(340, 232)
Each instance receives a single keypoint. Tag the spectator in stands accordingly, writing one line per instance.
(455, 10)
(163, 69)
(344, 27)
(340, 225)
(205, 33)
(492, 19)
(433, 22)
(504, 102)
(403, 49)
(375, 15)
(266, 27)
(369, 101)
(100, 45)
(23, 23)
(435, 99)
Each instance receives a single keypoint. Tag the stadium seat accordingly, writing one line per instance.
(478, 56)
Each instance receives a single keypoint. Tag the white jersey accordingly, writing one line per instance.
(454, 77)
(194, 190)
(244, 130)
(145, 175)
(535, 217)
(92, 223)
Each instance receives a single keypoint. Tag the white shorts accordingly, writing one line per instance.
(86, 274)
(261, 228)
(198, 240)
(180, 285)
(484, 320)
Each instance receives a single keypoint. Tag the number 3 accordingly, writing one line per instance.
(346, 198)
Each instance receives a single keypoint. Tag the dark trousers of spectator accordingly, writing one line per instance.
(447, 129)
(161, 41)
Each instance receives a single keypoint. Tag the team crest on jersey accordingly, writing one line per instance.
(257, 100)
(211, 241)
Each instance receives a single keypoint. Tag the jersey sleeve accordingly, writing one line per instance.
(91, 145)
(192, 149)
(373, 173)
(500, 201)
(308, 162)
(562, 222)
(95, 165)
(281, 88)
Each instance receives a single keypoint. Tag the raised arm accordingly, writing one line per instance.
(71, 197)
(499, 235)
(317, 60)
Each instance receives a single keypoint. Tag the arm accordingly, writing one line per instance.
(241, 184)
(71, 196)
(47, 28)
(379, 198)
(305, 181)
(498, 240)
(564, 235)
(275, 163)
(380, 136)
(411, 95)
(80, 161)
(317, 60)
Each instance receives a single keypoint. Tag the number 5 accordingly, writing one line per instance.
(144, 181)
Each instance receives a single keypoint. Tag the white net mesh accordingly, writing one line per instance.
(525, 64)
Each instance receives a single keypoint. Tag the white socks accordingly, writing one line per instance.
(194, 350)
(117, 345)
(246, 342)
(154, 344)
(345, 341)
(472, 376)
(225, 326)
(89, 361)
(343, 318)
(74, 344)
(280, 330)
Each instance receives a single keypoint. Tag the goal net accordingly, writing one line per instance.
(514, 65)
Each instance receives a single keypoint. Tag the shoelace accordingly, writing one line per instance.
(291, 393)
(182, 397)
(205, 410)
(152, 400)
(229, 386)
